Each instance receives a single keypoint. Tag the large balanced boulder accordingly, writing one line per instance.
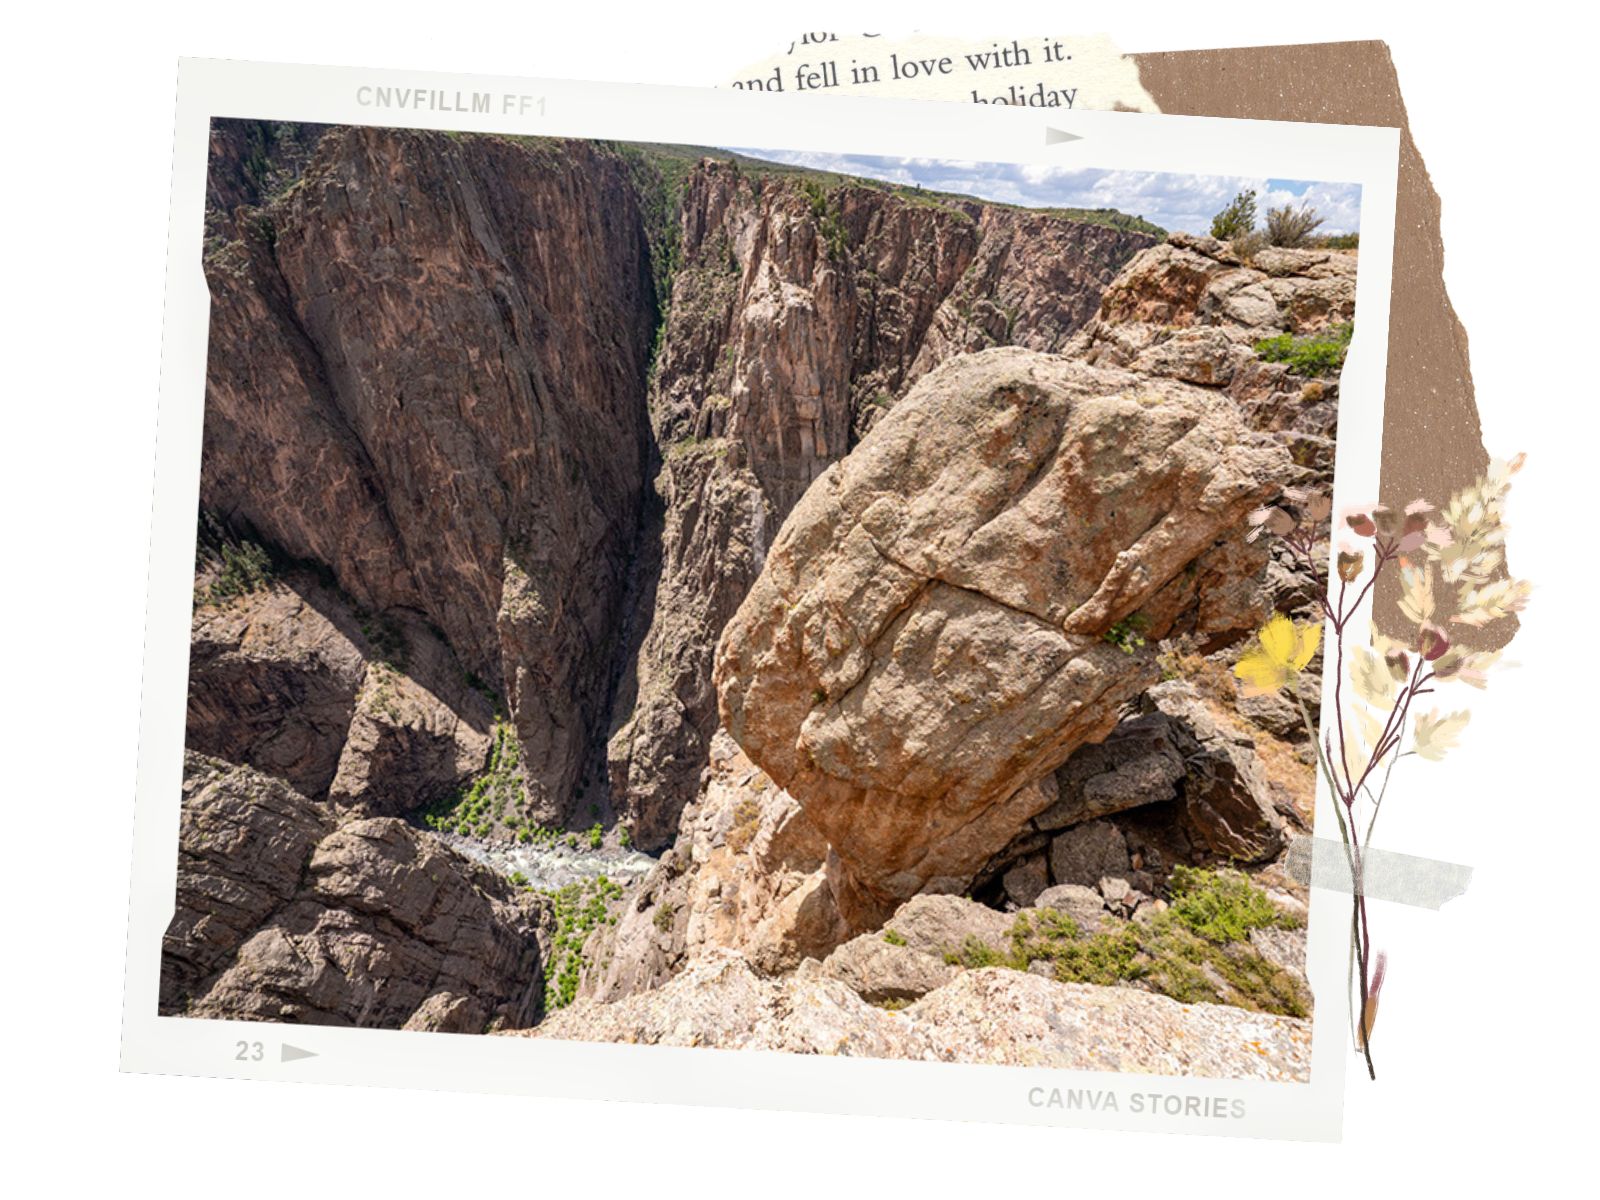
(957, 606)
(795, 322)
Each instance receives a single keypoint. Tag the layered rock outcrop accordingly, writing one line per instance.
(273, 683)
(284, 914)
(933, 628)
(1195, 780)
(371, 713)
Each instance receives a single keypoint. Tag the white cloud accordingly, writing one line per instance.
(1173, 201)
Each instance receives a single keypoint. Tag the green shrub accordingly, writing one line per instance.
(1222, 906)
(241, 566)
(663, 918)
(828, 217)
(596, 836)
(894, 937)
(1316, 354)
(1195, 970)
(974, 952)
(1127, 634)
(246, 568)
(480, 806)
(579, 908)
(1292, 227)
(1248, 245)
(1054, 937)
(1196, 951)
(386, 640)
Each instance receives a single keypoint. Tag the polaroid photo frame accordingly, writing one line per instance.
(753, 1078)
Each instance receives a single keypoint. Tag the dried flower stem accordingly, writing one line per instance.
(1450, 563)
(1347, 784)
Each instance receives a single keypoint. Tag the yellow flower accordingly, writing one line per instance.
(1284, 651)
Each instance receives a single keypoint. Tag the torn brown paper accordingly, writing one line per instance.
(1433, 444)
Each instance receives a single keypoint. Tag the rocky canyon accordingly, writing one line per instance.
(653, 594)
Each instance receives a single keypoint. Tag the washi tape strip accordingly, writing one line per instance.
(1389, 875)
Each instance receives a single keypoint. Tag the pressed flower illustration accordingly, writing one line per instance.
(1283, 650)
(1450, 564)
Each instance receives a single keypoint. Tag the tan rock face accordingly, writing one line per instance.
(928, 634)
(879, 970)
(1191, 309)
(426, 366)
(991, 1016)
(797, 319)
(746, 873)
(932, 925)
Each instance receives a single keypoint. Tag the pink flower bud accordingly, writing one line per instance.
(1432, 641)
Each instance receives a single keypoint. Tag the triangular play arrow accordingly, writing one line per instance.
(292, 1053)
(1052, 136)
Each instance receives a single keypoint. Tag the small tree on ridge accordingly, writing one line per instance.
(1236, 220)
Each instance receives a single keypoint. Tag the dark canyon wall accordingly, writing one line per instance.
(548, 402)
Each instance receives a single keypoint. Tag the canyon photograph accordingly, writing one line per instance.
(756, 600)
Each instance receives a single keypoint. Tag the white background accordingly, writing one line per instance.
(1486, 1041)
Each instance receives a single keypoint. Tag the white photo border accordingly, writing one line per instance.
(1364, 155)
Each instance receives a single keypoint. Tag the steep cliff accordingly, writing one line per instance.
(425, 377)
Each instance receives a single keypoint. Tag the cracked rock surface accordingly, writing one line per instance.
(931, 625)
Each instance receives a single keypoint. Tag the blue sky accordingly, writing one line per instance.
(1185, 202)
